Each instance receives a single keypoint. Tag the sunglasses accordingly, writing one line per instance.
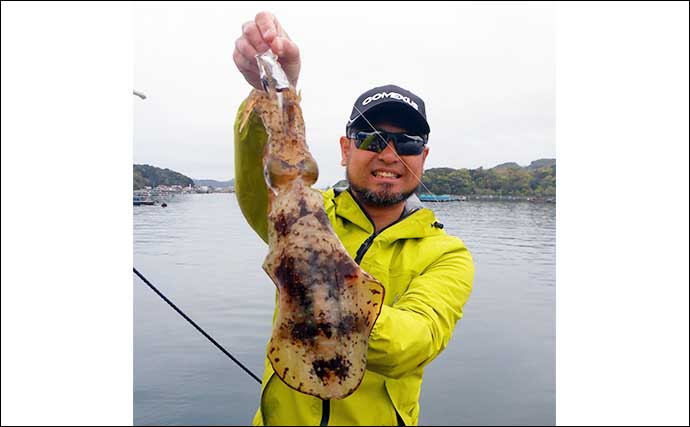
(377, 141)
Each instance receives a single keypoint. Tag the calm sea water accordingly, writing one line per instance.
(499, 368)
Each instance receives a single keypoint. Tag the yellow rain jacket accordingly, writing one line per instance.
(428, 278)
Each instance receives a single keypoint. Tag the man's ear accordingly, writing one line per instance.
(344, 150)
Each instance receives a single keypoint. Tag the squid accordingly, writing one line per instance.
(327, 305)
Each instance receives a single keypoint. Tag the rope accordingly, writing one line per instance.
(196, 326)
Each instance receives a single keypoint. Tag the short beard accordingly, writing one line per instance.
(382, 198)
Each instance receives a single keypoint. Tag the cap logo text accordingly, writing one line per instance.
(393, 95)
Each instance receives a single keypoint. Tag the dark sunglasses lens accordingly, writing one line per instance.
(409, 145)
(370, 141)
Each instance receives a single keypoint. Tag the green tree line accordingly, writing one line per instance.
(510, 179)
(151, 176)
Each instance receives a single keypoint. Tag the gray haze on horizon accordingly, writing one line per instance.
(485, 71)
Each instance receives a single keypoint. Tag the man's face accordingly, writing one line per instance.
(385, 178)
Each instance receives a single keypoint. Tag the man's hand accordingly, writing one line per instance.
(257, 37)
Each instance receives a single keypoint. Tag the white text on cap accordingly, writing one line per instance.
(393, 95)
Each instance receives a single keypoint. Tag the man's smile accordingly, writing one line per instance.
(385, 175)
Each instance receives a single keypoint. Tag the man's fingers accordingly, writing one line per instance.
(277, 46)
(248, 70)
(286, 49)
(244, 64)
(251, 32)
(247, 50)
(266, 23)
(280, 30)
(289, 53)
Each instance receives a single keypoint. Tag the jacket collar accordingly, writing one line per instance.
(416, 220)
(412, 204)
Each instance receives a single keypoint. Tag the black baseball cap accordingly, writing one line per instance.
(391, 103)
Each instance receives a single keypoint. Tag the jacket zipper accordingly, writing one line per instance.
(367, 243)
(326, 404)
(325, 412)
(364, 248)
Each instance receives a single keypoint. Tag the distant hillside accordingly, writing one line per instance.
(537, 164)
(541, 163)
(151, 176)
(510, 165)
(506, 179)
(214, 183)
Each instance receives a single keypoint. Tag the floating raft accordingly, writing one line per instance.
(440, 198)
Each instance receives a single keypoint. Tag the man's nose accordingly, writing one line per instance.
(389, 154)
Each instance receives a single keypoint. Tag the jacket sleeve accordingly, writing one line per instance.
(250, 186)
(413, 332)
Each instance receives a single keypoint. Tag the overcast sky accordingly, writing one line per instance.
(485, 71)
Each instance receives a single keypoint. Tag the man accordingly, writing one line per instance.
(427, 274)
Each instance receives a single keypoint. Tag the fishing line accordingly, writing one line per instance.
(181, 313)
(160, 294)
(394, 152)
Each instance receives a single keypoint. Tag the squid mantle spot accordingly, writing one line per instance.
(305, 332)
(291, 280)
(338, 366)
(283, 223)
